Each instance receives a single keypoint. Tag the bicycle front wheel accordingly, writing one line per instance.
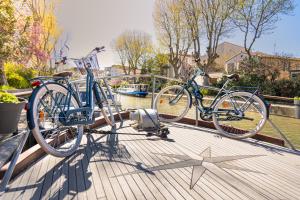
(56, 139)
(172, 103)
(239, 115)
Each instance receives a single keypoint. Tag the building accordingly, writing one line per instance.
(288, 67)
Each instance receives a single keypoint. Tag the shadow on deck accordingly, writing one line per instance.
(194, 163)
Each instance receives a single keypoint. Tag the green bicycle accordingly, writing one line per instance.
(235, 114)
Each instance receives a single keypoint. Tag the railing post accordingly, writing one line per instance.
(153, 90)
(282, 135)
(297, 108)
(197, 116)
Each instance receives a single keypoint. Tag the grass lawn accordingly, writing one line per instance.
(289, 126)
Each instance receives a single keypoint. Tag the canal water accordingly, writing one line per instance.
(129, 102)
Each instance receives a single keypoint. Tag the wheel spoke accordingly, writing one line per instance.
(244, 116)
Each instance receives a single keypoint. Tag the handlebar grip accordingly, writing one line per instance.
(98, 49)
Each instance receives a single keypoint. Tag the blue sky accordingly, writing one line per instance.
(93, 23)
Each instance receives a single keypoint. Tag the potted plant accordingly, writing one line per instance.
(10, 111)
(297, 107)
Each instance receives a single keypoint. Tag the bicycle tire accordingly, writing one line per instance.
(237, 132)
(185, 108)
(38, 95)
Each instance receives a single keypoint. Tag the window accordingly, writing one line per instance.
(295, 75)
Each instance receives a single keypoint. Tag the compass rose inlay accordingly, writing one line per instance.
(199, 165)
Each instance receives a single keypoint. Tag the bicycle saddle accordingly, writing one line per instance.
(64, 74)
(234, 77)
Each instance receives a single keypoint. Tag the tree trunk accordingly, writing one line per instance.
(3, 80)
(176, 73)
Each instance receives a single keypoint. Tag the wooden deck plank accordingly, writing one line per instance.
(33, 180)
(228, 149)
(42, 175)
(161, 145)
(104, 178)
(93, 174)
(145, 146)
(87, 172)
(97, 183)
(188, 172)
(64, 185)
(12, 193)
(102, 154)
(152, 184)
(134, 181)
(46, 190)
(81, 190)
(55, 186)
(191, 144)
(257, 163)
(72, 185)
(161, 177)
(177, 193)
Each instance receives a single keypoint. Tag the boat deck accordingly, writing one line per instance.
(193, 163)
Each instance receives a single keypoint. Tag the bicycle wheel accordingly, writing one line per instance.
(104, 104)
(172, 103)
(239, 115)
(58, 140)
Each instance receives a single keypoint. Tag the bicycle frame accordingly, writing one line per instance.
(86, 111)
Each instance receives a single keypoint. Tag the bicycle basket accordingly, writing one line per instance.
(90, 62)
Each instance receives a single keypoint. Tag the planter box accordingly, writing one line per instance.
(10, 116)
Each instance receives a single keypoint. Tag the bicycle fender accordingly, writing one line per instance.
(29, 114)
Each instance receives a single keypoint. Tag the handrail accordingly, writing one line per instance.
(27, 93)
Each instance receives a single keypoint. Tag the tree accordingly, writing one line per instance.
(193, 16)
(36, 35)
(132, 46)
(255, 18)
(44, 33)
(171, 28)
(7, 30)
(216, 21)
(154, 63)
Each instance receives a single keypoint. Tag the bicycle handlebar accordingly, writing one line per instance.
(93, 52)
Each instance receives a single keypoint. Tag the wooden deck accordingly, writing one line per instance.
(150, 168)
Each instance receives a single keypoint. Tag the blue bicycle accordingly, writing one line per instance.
(57, 116)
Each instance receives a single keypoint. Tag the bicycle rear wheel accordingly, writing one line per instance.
(172, 103)
(56, 139)
(239, 115)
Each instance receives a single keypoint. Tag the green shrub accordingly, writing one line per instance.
(8, 98)
(284, 88)
(6, 87)
(18, 76)
(297, 98)
(17, 81)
